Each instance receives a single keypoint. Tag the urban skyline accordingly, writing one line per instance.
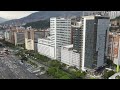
(81, 47)
(19, 14)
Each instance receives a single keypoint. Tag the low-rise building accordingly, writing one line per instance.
(45, 48)
(15, 36)
(70, 56)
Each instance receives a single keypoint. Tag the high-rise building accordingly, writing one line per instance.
(15, 36)
(77, 33)
(90, 41)
(39, 34)
(19, 38)
(60, 35)
(60, 32)
(70, 53)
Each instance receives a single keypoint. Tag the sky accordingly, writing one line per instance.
(15, 14)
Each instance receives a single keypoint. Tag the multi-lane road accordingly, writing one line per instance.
(10, 68)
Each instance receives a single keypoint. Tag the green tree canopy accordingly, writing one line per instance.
(107, 74)
(42, 24)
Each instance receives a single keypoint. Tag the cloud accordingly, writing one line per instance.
(14, 14)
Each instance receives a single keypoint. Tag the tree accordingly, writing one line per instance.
(107, 74)
(117, 77)
(78, 74)
(42, 24)
(58, 74)
(24, 58)
(63, 65)
(109, 62)
(55, 63)
(42, 68)
(51, 71)
(65, 77)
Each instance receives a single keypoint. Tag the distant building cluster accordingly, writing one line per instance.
(111, 14)
(27, 36)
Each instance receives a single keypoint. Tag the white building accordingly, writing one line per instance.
(45, 48)
(70, 57)
(60, 32)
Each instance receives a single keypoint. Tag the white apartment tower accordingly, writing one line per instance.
(60, 32)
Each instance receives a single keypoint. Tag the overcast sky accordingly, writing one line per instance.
(14, 14)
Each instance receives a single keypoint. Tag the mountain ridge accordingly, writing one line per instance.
(2, 20)
(43, 15)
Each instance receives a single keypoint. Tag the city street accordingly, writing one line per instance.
(10, 68)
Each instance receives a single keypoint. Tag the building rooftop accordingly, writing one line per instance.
(93, 16)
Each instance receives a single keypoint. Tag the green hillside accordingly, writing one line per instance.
(42, 24)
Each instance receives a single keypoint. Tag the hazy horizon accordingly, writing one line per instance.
(14, 14)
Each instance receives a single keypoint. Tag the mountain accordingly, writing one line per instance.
(42, 24)
(2, 20)
(43, 15)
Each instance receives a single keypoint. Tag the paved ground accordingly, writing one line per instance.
(10, 68)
